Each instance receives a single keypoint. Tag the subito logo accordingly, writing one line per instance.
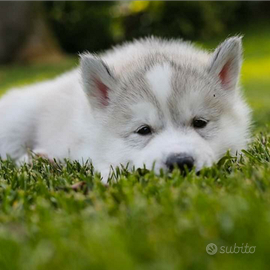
(211, 249)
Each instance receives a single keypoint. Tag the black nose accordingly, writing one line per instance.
(181, 161)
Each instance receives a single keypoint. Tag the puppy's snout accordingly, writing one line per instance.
(181, 161)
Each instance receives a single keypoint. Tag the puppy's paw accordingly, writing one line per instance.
(42, 154)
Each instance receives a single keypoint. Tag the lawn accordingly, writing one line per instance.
(142, 221)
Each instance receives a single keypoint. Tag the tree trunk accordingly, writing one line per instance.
(25, 35)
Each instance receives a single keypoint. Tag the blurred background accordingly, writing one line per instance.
(39, 40)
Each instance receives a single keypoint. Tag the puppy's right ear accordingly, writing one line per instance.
(98, 81)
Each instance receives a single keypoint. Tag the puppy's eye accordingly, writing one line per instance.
(144, 130)
(199, 123)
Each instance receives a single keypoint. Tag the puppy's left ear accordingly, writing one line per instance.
(226, 62)
(98, 81)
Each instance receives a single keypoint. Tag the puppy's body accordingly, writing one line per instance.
(138, 104)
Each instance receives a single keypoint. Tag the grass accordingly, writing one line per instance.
(141, 221)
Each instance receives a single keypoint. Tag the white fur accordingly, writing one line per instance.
(67, 117)
(159, 78)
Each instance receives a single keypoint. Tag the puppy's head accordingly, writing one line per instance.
(167, 111)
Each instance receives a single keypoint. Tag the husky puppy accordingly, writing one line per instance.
(151, 101)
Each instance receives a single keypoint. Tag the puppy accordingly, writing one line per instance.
(152, 102)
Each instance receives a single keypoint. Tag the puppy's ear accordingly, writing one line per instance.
(226, 62)
(98, 81)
